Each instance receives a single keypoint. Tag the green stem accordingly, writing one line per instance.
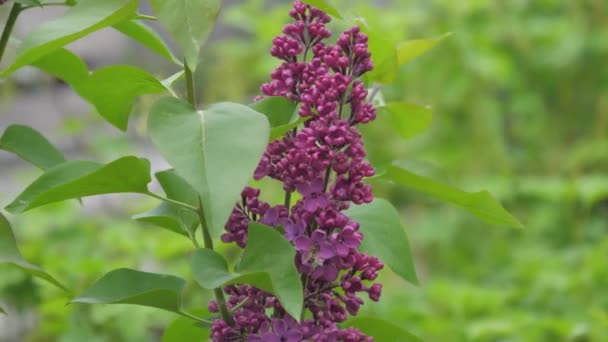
(201, 216)
(219, 295)
(326, 180)
(190, 85)
(168, 200)
(8, 28)
(221, 303)
(287, 199)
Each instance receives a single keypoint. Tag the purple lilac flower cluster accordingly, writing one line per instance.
(325, 163)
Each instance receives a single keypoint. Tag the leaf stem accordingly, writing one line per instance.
(375, 89)
(168, 200)
(145, 17)
(8, 28)
(190, 85)
(198, 319)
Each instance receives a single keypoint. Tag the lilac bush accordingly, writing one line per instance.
(324, 162)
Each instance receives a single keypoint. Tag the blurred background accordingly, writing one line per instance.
(520, 98)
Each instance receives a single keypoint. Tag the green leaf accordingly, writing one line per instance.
(126, 286)
(2, 311)
(325, 7)
(384, 55)
(74, 179)
(279, 110)
(147, 37)
(267, 263)
(10, 255)
(64, 65)
(184, 329)
(410, 49)
(281, 114)
(384, 236)
(279, 131)
(169, 216)
(381, 330)
(31, 146)
(113, 89)
(409, 119)
(84, 18)
(189, 22)
(216, 150)
(480, 204)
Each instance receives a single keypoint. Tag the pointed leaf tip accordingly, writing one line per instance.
(10, 255)
(74, 179)
(31, 146)
(126, 286)
(480, 204)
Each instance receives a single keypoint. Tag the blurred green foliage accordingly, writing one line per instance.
(520, 98)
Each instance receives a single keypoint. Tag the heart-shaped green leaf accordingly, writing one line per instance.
(10, 255)
(408, 119)
(113, 89)
(31, 146)
(384, 236)
(410, 49)
(480, 204)
(84, 18)
(126, 286)
(325, 7)
(381, 330)
(183, 329)
(216, 151)
(74, 179)
(146, 37)
(267, 263)
(170, 216)
(2, 311)
(189, 22)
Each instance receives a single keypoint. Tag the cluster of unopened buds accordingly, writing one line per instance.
(325, 163)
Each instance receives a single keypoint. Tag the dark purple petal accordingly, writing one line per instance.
(319, 236)
(270, 337)
(326, 250)
(303, 243)
(293, 230)
(279, 327)
(294, 335)
(271, 217)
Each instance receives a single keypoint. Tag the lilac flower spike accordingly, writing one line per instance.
(324, 161)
